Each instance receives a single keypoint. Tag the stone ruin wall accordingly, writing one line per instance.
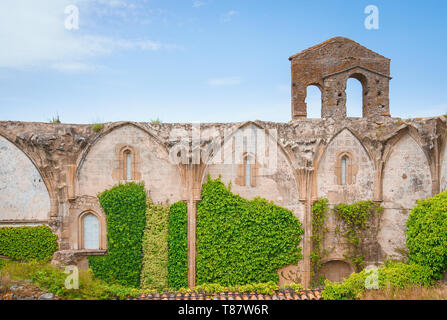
(51, 173)
(57, 170)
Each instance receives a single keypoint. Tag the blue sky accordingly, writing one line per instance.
(203, 61)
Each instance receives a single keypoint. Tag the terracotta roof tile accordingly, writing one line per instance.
(287, 294)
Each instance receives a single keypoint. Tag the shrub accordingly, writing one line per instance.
(241, 241)
(394, 275)
(263, 288)
(154, 274)
(28, 243)
(55, 120)
(125, 209)
(96, 127)
(427, 234)
(178, 246)
(52, 279)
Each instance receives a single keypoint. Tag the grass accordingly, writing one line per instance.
(55, 119)
(96, 127)
(52, 279)
(416, 293)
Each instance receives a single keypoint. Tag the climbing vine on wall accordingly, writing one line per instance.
(241, 241)
(319, 216)
(125, 209)
(358, 218)
(154, 273)
(178, 246)
(359, 222)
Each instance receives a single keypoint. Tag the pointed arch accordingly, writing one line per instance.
(103, 163)
(406, 178)
(26, 194)
(289, 155)
(105, 132)
(322, 146)
(278, 184)
(404, 153)
(328, 169)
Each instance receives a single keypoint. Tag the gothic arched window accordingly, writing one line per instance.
(344, 169)
(128, 165)
(247, 172)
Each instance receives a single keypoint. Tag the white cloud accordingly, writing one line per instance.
(227, 17)
(32, 34)
(197, 3)
(72, 67)
(227, 81)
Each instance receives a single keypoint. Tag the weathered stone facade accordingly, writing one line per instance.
(51, 173)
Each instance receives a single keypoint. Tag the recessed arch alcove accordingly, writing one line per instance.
(24, 197)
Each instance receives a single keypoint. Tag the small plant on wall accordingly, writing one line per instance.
(358, 223)
(319, 230)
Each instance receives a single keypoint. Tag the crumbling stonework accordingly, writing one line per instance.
(389, 160)
(328, 66)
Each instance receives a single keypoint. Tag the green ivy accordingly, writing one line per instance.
(178, 246)
(28, 243)
(391, 275)
(319, 217)
(240, 241)
(357, 218)
(427, 234)
(125, 208)
(154, 273)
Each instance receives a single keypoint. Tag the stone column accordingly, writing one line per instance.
(192, 174)
(378, 185)
(304, 178)
(192, 253)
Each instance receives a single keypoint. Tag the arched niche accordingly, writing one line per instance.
(104, 164)
(406, 178)
(23, 193)
(336, 270)
(359, 170)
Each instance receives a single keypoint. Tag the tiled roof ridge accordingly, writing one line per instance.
(333, 40)
(283, 294)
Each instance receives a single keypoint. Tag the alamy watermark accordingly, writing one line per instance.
(372, 20)
(211, 146)
(372, 280)
(72, 19)
(72, 281)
